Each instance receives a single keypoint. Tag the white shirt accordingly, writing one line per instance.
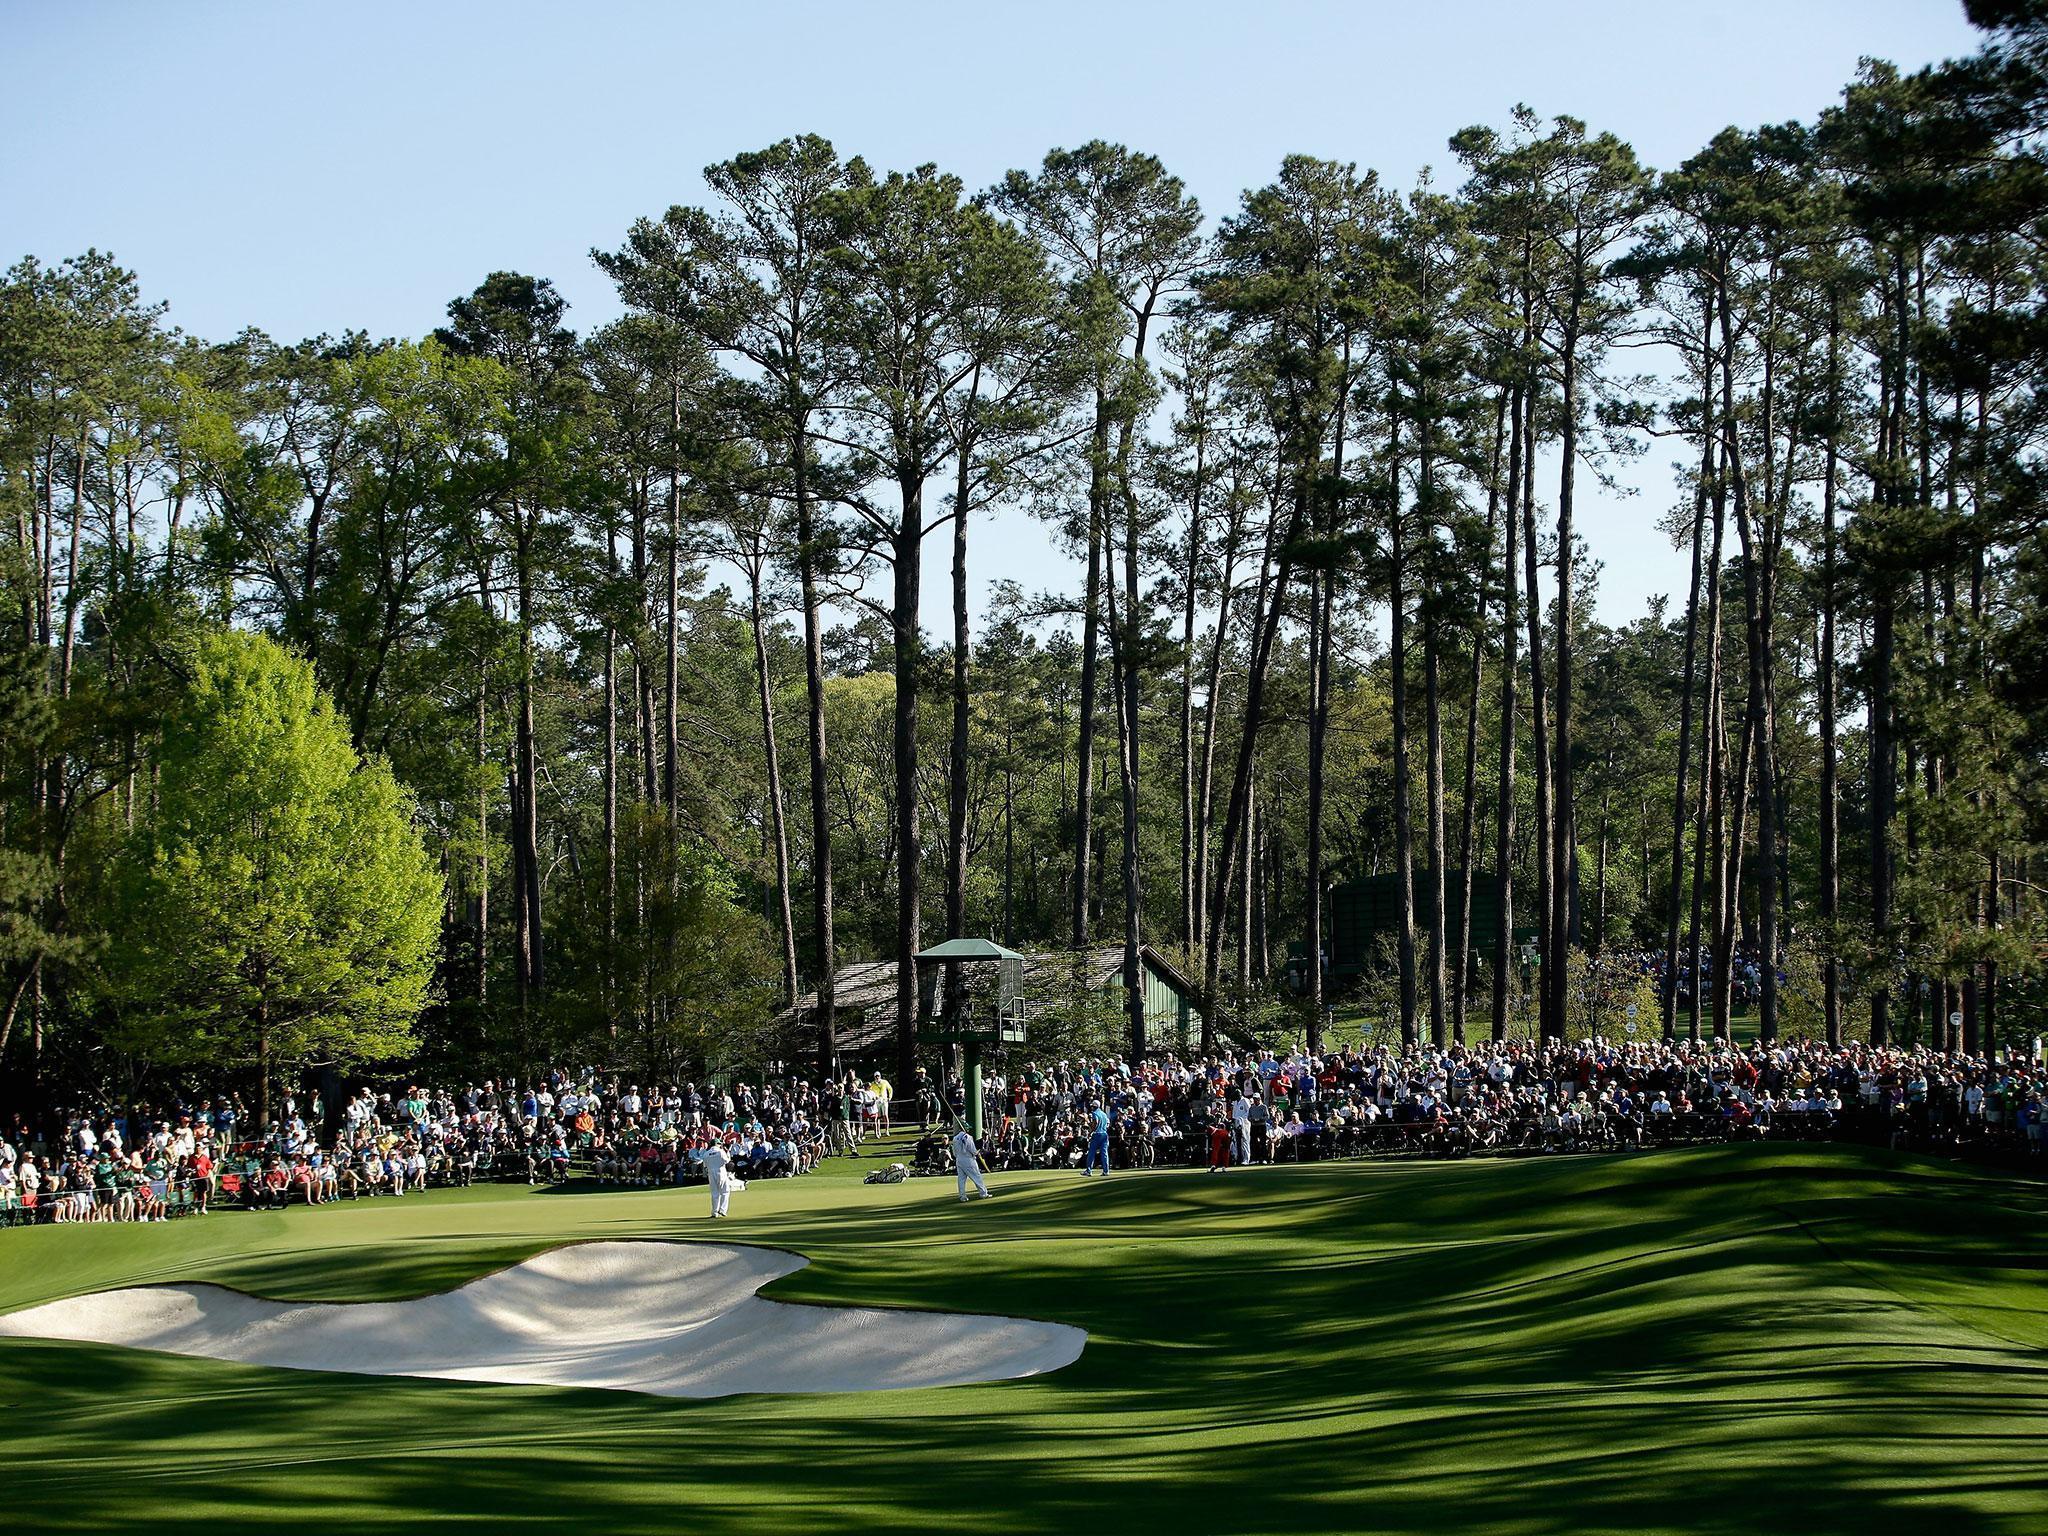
(713, 1158)
(966, 1155)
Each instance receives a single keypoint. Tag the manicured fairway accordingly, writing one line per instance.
(1739, 1340)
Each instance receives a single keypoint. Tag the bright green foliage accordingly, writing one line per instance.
(502, 552)
(27, 942)
(687, 960)
(278, 904)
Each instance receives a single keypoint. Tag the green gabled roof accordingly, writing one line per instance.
(968, 949)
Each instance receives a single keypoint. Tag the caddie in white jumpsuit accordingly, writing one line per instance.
(967, 1163)
(714, 1160)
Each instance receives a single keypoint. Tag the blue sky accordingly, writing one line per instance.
(308, 168)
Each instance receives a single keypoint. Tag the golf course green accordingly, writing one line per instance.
(1764, 1338)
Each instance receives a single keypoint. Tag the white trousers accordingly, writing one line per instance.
(966, 1171)
(721, 1192)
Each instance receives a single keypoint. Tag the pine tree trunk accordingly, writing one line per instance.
(1510, 642)
(1830, 771)
(779, 827)
(957, 758)
(1259, 832)
(611, 817)
(1757, 716)
(1322, 622)
(1009, 843)
(1468, 831)
(480, 903)
(22, 987)
(1468, 805)
(1190, 932)
(1248, 888)
(1219, 892)
(1708, 852)
(1433, 790)
(826, 957)
(1549, 958)
(74, 593)
(1707, 978)
(1882, 732)
(956, 765)
(1127, 683)
(1404, 793)
(908, 551)
(1881, 771)
(1982, 985)
(670, 735)
(1599, 936)
(1320, 614)
(1205, 787)
(262, 1059)
(1668, 991)
(1091, 641)
(643, 674)
(532, 961)
(1564, 862)
(1265, 627)
(1730, 885)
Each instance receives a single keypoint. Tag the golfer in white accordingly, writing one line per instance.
(723, 1183)
(967, 1163)
(1241, 1130)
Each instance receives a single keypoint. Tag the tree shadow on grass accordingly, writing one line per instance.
(1552, 1348)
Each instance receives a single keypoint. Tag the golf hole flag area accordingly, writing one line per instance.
(1793, 1338)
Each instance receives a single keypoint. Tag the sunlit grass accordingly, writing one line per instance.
(1797, 1338)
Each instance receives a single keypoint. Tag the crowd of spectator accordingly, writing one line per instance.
(1745, 974)
(148, 1163)
(1590, 1096)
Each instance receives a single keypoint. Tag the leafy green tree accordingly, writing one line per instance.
(1297, 279)
(1127, 236)
(751, 281)
(1434, 385)
(277, 906)
(516, 321)
(496, 551)
(934, 298)
(28, 878)
(692, 970)
(1007, 418)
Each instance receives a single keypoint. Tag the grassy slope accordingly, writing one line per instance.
(1736, 1340)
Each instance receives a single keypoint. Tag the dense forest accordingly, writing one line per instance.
(632, 614)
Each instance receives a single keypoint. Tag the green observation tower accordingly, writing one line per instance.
(975, 1015)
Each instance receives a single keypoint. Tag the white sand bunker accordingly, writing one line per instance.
(675, 1319)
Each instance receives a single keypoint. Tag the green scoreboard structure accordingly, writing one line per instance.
(1365, 922)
